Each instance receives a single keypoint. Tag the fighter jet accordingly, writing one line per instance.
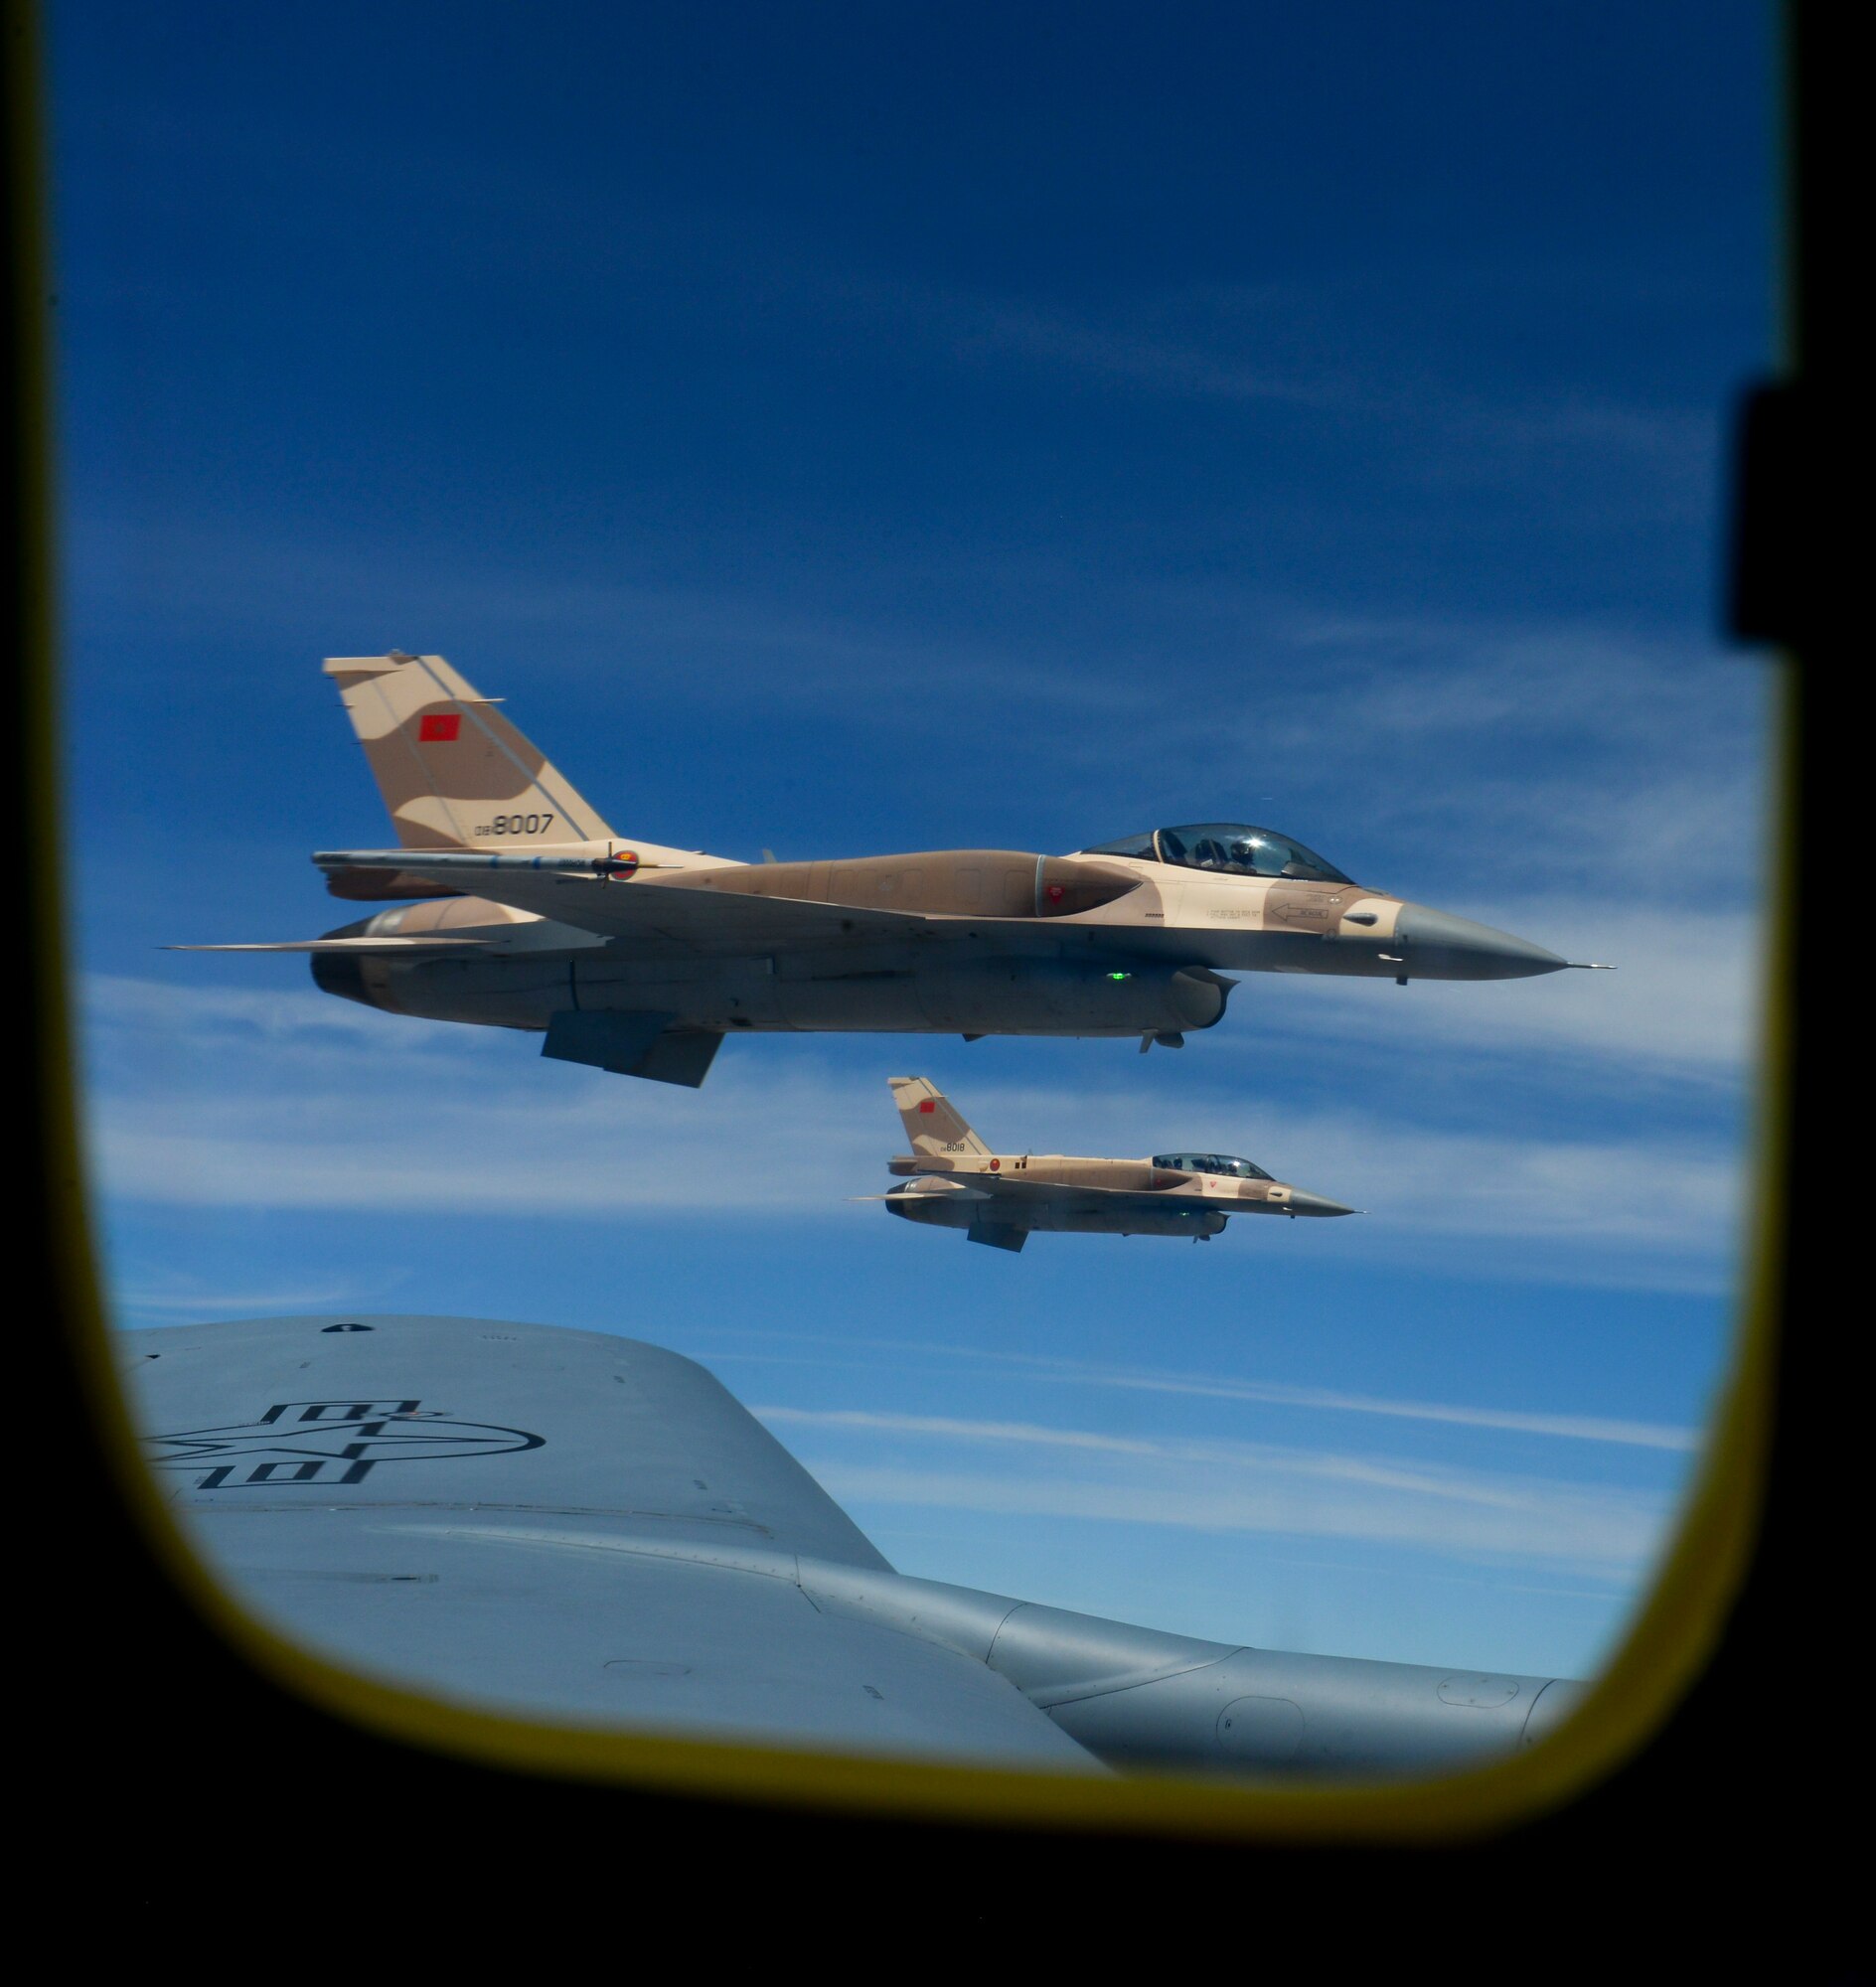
(632, 956)
(1003, 1198)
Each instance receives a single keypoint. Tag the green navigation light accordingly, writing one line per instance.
(1120, 975)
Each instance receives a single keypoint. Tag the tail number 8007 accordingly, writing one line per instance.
(517, 824)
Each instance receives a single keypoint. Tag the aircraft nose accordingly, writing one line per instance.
(1315, 1203)
(1438, 946)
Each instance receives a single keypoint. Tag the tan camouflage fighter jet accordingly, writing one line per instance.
(1003, 1198)
(533, 914)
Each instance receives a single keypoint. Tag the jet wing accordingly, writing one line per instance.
(557, 1524)
(368, 945)
(1015, 1193)
(674, 915)
(1013, 1188)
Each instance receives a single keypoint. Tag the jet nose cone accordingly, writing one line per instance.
(1438, 946)
(1315, 1203)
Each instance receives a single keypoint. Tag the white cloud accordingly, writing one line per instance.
(190, 1303)
(211, 1096)
(1225, 1487)
(1683, 1002)
(1513, 1420)
(1221, 1387)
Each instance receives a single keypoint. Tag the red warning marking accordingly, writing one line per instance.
(927, 1104)
(1054, 893)
(439, 727)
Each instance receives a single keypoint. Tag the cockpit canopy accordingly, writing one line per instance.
(1208, 1163)
(1232, 848)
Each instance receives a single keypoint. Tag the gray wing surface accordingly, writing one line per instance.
(559, 1524)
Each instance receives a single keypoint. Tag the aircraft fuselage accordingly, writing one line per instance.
(1011, 944)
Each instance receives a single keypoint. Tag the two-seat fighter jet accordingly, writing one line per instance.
(639, 958)
(1003, 1198)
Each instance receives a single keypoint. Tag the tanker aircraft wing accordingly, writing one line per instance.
(587, 1531)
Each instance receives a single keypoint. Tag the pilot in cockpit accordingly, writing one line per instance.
(1232, 848)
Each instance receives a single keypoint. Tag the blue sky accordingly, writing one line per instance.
(841, 429)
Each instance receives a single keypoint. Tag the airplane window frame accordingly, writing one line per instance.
(1655, 1673)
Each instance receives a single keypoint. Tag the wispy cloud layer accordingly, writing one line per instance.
(224, 1098)
(1225, 1486)
(219, 1098)
(187, 1303)
(1682, 1004)
(1267, 1393)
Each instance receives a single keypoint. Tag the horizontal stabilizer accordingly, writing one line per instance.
(646, 1045)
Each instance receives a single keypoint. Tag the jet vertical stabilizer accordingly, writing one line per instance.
(454, 773)
(932, 1121)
